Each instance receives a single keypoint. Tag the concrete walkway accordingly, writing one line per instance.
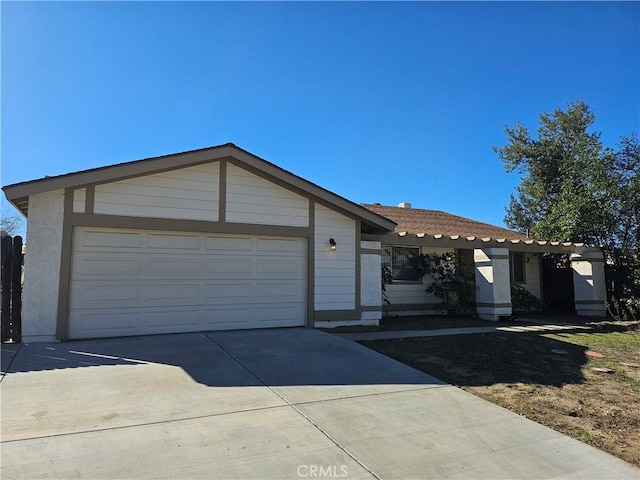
(284, 403)
(515, 328)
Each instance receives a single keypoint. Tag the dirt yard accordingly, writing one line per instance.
(575, 382)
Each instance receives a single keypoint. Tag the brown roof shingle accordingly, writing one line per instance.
(436, 222)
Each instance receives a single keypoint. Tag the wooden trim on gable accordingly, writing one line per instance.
(64, 284)
(311, 266)
(122, 171)
(170, 224)
(358, 264)
(18, 193)
(222, 192)
(90, 199)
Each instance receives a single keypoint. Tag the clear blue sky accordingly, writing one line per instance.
(378, 102)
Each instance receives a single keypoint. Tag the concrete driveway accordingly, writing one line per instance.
(286, 403)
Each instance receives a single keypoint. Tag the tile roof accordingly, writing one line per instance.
(436, 222)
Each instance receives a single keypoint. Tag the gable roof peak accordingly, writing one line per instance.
(18, 194)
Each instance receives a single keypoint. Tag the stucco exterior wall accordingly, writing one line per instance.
(371, 281)
(42, 266)
(493, 295)
(589, 285)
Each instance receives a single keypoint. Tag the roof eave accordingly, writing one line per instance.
(114, 172)
(18, 194)
(457, 241)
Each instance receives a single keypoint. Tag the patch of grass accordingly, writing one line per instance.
(579, 433)
(614, 342)
(547, 377)
(615, 347)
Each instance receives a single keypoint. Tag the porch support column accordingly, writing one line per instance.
(493, 294)
(370, 283)
(589, 286)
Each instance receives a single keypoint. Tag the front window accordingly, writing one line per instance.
(516, 262)
(402, 262)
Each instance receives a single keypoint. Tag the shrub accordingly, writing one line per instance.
(522, 300)
(453, 282)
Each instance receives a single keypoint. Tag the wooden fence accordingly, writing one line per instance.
(12, 266)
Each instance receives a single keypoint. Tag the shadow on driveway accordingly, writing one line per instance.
(274, 357)
(261, 404)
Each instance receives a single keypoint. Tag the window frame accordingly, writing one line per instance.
(387, 261)
(512, 271)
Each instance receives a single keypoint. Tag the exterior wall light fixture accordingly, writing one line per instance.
(332, 242)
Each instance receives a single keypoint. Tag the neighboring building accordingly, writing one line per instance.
(218, 238)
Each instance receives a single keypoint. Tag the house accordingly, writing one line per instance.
(419, 231)
(219, 238)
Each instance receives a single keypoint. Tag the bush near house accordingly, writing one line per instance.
(523, 301)
(453, 282)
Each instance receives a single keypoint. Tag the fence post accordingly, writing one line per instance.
(16, 290)
(6, 288)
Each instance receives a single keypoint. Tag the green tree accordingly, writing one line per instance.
(624, 245)
(9, 224)
(573, 188)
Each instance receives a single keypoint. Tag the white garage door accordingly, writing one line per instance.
(132, 282)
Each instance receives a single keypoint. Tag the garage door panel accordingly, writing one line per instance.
(240, 244)
(111, 239)
(228, 292)
(171, 294)
(172, 319)
(240, 319)
(176, 266)
(231, 267)
(107, 323)
(87, 295)
(219, 314)
(279, 291)
(174, 242)
(277, 314)
(279, 267)
(99, 267)
(278, 246)
(157, 282)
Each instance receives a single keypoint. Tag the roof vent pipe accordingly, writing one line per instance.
(404, 205)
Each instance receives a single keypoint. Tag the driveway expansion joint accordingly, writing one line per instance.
(135, 425)
(375, 394)
(293, 407)
(8, 369)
